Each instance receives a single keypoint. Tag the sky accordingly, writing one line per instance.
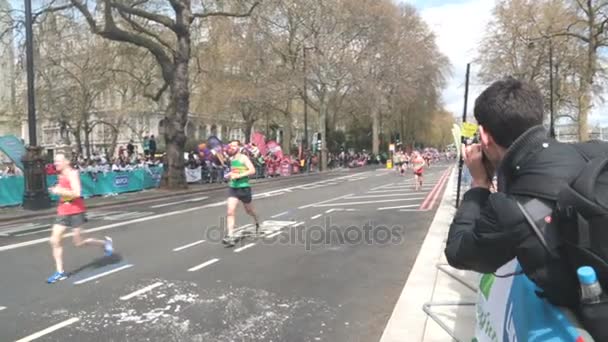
(460, 26)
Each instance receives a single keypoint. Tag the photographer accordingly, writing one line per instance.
(488, 229)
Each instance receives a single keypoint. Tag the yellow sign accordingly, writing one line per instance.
(469, 129)
(389, 164)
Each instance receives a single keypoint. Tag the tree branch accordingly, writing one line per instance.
(137, 27)
(227, 14)
(157, 18)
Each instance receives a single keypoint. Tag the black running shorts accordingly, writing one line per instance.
(71, 221)
(243, 194)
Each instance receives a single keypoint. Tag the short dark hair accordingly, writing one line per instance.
(508, 108)
(236, 141)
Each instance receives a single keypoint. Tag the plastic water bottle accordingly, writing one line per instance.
(591, 291)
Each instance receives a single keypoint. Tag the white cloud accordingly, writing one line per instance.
(459, 29)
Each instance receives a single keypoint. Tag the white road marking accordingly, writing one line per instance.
(410, 210)
(138, 220)
(386, 195)
(97, 276)
(273, 235)
(280, 214)
(128, 215)
(244, 247)
(179, 202)
(205, 264)
(17, 228)
(332, 210)
(329, 200)
(188, 245)
(371, 202)
(388, 191)
(95, 214)
(49, 330)
(2, 308)
(400, 207)
(36, 232)
(352, 209)
(382, 186)
(141, 291)
(316, 217)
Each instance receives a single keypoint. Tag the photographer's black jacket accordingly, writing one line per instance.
(488, 230)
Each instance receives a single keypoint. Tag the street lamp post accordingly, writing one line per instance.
(551, 90)
(35, 196)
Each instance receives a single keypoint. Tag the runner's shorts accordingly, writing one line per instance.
(243, 194)
(71, 221)
(418, 173)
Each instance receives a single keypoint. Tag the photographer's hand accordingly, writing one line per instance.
(473, 158)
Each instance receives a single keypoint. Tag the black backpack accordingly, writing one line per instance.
(574, 229)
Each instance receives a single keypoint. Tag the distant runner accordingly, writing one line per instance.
(239, 189)
(70, 214)
(418, 166)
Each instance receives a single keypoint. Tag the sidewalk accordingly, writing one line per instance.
(428, 284)
(16, 213)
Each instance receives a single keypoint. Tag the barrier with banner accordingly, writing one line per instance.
(508, 310)
(93, 184)
(194, 175)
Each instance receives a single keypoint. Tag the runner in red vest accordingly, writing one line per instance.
(418, 166)
(70, 214)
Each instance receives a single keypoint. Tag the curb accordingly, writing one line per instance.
(51, 212)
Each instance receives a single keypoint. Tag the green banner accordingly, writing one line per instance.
(93, 184)
(13, 148)
(11, 190)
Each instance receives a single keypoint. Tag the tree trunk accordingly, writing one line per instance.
(323, 130)
(375, 130)
(248, 128)
(87, 139)
(287, 129)
(174, 176)
(78, 139)
(113, 143)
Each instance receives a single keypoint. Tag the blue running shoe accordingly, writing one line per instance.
(57, 276)
(108, 248)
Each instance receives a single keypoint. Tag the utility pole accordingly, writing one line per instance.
(305, 140)
(551, 90)
(464, 119)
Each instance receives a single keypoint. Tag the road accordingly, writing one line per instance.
(335, 255)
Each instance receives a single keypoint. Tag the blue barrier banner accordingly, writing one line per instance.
(11, 190)
(508, 310)
(13, 148)
(93, 184)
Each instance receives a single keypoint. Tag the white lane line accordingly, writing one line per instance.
(273, 235)
(410, 210)
(141, 291)
(332, 210)
(138, 220)
(180, 202)
(205, 264)
(49, 330)
(36, 232)
(188, 245)
(316, 217)
(386, 195)
(97, 276)
(2, 308)
(352, 209)
(244, 247)
(400, 207)
(280, 214)
(114, 225)
(383, 186)
(371, 202)
(388, 191)
(329, 200)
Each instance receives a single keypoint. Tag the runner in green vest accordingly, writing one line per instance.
(239, 189)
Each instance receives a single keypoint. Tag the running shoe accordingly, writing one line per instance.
(229, 241)
(57, 276)
(108, 247)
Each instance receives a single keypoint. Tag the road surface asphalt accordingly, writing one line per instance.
(336, 251)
